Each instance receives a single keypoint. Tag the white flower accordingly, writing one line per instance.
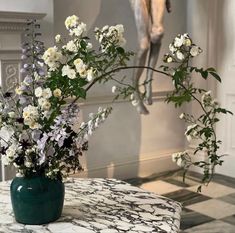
(57, 92)
(191, 129)
(34, 125)
(18, 91)
(175, 156)
(90, 75)
(69, 72)
(71, 46)
(81, 67)
(30, 114)
(172, 48)
(182, 115)
(178, 42)
(187, 42)
(178, 158)
(71, 21)
(46, 93)
(57, 38)
(11, 114)
(38, 92)
(195, 50)
(114, 88)
(169, 60)
(11, 151)
(78, 30)
(46, 105)
(28, 164)
(179, 55)
(51, 57)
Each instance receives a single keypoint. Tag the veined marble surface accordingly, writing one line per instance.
(101, 205)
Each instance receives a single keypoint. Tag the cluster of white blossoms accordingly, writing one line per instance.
(179, 158)
(31, 115)
(11, 152)
(74, 26)
(191, 131)
(110, 35)
(43, 96)
(208, 101)
(52, 58)
(181, 48)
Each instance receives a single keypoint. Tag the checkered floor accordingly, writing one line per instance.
(212, 210)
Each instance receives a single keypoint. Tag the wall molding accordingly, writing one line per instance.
(108, 99)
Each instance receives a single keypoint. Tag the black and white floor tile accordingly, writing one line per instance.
(211, 211)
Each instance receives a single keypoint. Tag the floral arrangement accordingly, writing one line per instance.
(40, 131)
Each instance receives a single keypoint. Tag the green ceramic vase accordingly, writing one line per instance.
(37, 200)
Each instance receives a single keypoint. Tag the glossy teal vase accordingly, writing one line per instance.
(37, 200)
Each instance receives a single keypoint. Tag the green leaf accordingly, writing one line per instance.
(216, 76)
(204, 74)
(211, 69)
(120, 50)
(83, 44)
(82, 82)
(80, 92)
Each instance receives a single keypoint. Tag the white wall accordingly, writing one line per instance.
(211, 24)
(128, 144)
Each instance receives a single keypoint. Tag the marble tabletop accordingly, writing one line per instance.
(101, 205)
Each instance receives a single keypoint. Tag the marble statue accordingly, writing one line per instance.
(149, 22)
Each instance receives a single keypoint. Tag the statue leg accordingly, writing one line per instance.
(141, 13)
(156, 34)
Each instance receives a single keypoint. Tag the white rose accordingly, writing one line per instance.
(178, 42)
(57, 92)
(38, 92)
(90, 75)
(46, 93)
(195, 50)
(11, 114)
(71, 46)
(71, 21)
(79, 30)
(69, 72)
(46, 105)
(180, 55)
(18, 91)
(172, 48)
(169, 60)
(187, 42)
(34, 125)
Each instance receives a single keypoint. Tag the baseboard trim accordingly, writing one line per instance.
(145, 166)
